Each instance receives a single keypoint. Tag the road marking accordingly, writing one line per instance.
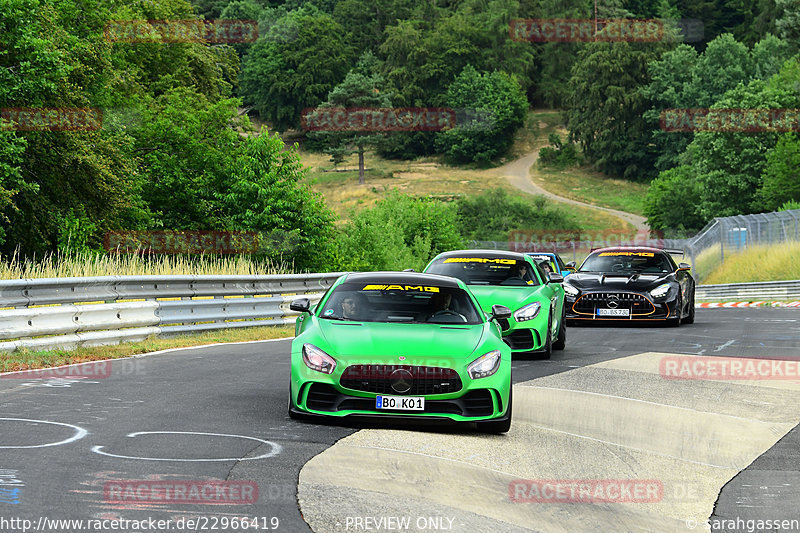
(79, 434)
(275, 448)
(723, 346)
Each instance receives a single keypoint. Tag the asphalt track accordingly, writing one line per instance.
(219, 413)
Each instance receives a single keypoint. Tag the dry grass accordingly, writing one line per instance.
(80, 265)
(432, 176)
(757, 263)
(27, 360)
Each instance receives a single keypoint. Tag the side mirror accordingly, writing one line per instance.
(684, 266)
(571, 265)
(500, 312)
(301, 305)
(555, 277)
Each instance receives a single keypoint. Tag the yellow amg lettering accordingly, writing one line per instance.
(479, 260)
(637, 254)
(374, 287)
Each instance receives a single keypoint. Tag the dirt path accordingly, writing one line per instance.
(518, 174)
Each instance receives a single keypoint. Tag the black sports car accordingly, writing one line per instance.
(630, 283)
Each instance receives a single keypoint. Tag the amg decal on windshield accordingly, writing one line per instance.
(637, 254)
(400, 288)
(479, 260)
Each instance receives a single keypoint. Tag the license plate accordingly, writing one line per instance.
(404, 403)
(613, 312)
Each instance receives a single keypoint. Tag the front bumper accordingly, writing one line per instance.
(640, 306)
(525, 337)
(476, 400)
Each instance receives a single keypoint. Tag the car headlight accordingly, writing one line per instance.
(316, 359)
(569, 289)
(528, 312)
(485, 365)
(660, 291)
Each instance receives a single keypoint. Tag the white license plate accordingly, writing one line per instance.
(404, 403)
(613, 312)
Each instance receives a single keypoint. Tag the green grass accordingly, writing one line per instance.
(757, 263)
(28, 360)
(580, 183)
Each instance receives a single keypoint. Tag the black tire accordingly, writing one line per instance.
(501, 425)
(676, 322)
(561, 341)
(547, 351)
(690, 317)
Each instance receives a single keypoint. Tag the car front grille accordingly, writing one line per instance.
(423, 380)
(636, 303)
(475, 403)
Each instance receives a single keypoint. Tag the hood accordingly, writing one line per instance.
(616, 282)
(419, 343)
(511, 297)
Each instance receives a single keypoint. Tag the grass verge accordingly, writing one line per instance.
(29, 360)
(592, 187)
(757, 263)
(89, 264)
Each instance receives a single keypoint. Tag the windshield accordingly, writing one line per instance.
(486, 271)
(368, 302)
(627, 263)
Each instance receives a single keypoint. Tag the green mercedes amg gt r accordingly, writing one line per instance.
(513, 280)
(397, 344)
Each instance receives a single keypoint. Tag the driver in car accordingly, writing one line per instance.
(440, 305)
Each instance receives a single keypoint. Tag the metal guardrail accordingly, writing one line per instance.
(766, 290)
(70, 312)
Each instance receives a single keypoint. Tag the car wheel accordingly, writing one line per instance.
(561, 341)
(690, 317)
(676, 322)
(548, 345)
(501, 425)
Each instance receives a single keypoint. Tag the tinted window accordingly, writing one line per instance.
(486, 271)
(627, 263)
(369, 302)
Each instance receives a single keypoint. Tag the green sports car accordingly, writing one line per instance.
(398, 344)
(513, 280)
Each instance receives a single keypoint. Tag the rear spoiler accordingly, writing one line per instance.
(675, 252)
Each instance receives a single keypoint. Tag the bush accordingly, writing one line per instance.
(492, 215)
(671, 202)
(558, 154)
(398, 232)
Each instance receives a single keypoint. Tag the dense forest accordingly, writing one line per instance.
(176, 149)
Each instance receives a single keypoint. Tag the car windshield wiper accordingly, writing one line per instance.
(331, 317)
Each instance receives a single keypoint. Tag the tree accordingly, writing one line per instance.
(606, 104)
(494, 107)
(294, 66)
(780, 179)
(671, 201)
(363, 87)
